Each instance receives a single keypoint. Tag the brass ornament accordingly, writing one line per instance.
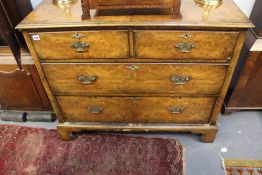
(65, 5)
(207, 8)
(62, 2)
(209, 2)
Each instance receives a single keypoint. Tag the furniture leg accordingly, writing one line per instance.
(65, 134)
(208, 136)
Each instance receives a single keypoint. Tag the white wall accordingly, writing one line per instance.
(245, 5)
(36, 2)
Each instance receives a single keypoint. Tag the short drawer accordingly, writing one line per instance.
(181, 110)
(82, 79)
(81, 45)
(185, 44)
(96, 109)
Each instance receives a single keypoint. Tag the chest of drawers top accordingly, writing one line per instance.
(47, 15)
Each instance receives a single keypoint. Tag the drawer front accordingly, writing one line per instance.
(174, 110)
(81, 45)
(95, 109)
(82, 79)
(136, 109)
(184, 44)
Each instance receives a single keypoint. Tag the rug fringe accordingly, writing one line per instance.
(223, 163)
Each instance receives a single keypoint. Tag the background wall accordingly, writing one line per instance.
(245, 6)
(35, 2)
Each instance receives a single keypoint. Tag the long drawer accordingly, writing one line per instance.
(185, 44)
(136, 109)
(81, 44)
(83, 79)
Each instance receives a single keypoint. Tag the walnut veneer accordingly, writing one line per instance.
(136, 72)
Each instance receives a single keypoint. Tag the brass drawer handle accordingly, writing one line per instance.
(185, 47)
(176, 110)
(87, 79)
(180, 80)
(95, 109)
(79, 46)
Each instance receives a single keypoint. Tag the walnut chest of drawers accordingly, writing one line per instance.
(136, 73)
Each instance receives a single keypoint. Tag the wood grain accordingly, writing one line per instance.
(136, 91)
(247, 92)
(94, 3)
(208, 133)
(220, 99)
(157, 110)
(131, 4)
(22, 89)
(52, 100)
(47, 15)
(45, 104)
(147, 78)
(114, 109)
(102, 44)
(247, 84)
(207, 45)
(136, 109)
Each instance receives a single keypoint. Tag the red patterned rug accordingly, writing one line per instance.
(28, 151)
